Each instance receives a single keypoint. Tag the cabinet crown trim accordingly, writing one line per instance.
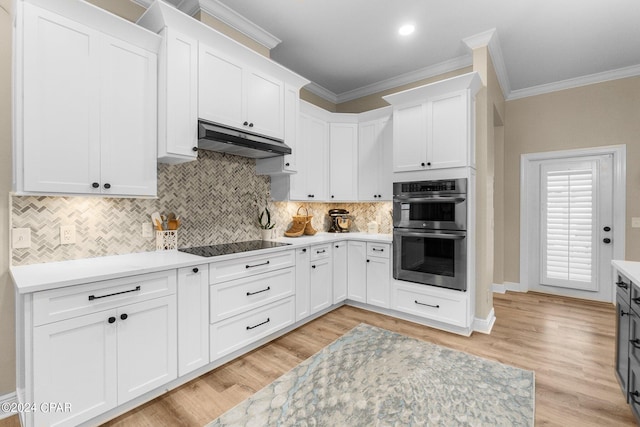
(470, 81)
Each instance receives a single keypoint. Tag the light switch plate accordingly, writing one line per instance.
(67, 234)
(635, 222)
(21, 238)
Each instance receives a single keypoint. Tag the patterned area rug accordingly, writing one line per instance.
(374, 377)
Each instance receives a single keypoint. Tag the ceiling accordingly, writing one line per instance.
(350, 48)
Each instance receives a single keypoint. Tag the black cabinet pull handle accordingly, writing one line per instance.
(195, 270)
(95, 185)
(259, 324)
(92, 297)
(321, 252)
(622, 285)
(428, 305)
(258, 292)
(635, 343)
(124, 316)
(636, 300)
(194, 149)
(256, 265)
(622, 313)
(378, 250)
(633, 397)
(111, 319)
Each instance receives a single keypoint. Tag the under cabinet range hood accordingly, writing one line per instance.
(215, 137)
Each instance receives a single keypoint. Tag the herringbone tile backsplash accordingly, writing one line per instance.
(216, 197)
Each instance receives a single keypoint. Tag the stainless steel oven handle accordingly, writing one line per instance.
(428, 199)
(444, 236)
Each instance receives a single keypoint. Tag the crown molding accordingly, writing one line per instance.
(490, 39)
(590, 79)
(231, 18)
(323, 93)
(407, 78)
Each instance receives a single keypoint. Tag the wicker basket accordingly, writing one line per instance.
(300, 224)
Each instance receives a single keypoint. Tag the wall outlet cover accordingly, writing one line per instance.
(147, 229)
(21, 238)
(67, 234)
(635, 222)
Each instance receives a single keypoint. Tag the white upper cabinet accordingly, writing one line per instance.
(177, 98)
(343, 162)
(310, 183)
(239, 96)
(433, 125)
(85, 105)
(375, 181)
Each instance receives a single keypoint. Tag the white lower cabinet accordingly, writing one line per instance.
(378, 274)
(340, 272)
(239, 331)
(357, 273)
(320, 278)
(193, 318)
(442, 305)
(98, 361)
(302, 283)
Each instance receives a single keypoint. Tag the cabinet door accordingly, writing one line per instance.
(447, 131)
(320, 285)
(147, 354)
(385, 166)
(177, 97)
(291, 119)
(368, 161)
(61, 142)
(410, 138)
(302, 283)
(378, 281)
(310, 181)
(220, 83)
(339, 272)
(74, 361)
(128, 119)
(264, 110)
(193, 318)
(357, 273)
(343, 161)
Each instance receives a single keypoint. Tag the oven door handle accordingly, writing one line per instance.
(444, 236)
(429, 199)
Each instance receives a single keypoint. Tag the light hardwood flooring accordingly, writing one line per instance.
(569, 343)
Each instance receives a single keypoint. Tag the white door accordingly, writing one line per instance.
(339, 272)
(357, 272)
(410, 138)
(320, 285)
(220, 88)
(343, 161)
(447, 131)
(378, 281)
(575, 227)
(193, 318)
(264, 104)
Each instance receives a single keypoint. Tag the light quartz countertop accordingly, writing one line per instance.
(51, 275)
(631, 269)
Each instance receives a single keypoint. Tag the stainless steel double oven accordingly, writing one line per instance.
(430, 232)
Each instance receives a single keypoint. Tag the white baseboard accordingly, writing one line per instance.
(485, 325)
(7, 399)
(501, 288)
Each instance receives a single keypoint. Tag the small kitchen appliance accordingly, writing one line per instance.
(340, 221)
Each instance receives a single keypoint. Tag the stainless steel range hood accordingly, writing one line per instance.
(215, 137)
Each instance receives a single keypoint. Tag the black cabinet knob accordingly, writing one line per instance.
(422, 164)
(107, 186)
(380, 195)
(194, 149)
(607, 228)
(250, 125)
(245, 123)
(111, 319)
(606, 240)
(95, 185)
(195, 270)
(286, 164)
(304, 250)
(337, 246)
(313, 266)
(428, 163)
(368, 260)
(332, 196)
(123, 316)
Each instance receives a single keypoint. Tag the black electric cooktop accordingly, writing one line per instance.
(232, 248)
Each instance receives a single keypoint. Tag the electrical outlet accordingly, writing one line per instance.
(67, 234)
(635, 222)
(147, 229)
(21, 238)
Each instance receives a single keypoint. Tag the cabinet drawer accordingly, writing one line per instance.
(623, 287)
(320, 251)
(635, 297)
(430, 303)
(249, 266)
(238, 296)
(72, 301)
(378, 250)
(236, 332)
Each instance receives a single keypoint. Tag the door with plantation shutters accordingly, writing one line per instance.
(575, 220)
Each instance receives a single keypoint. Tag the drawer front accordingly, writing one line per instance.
(235, 297)
(249, 266)
(634, 389)
(635, 298)
(236, 332)
(73, 301)
(320, 251)
(623, 286)
(378, 250)
(632, 340)
(432, 305)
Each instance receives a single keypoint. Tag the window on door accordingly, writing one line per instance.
(568, 224)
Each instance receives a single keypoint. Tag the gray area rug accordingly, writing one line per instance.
(374, 377)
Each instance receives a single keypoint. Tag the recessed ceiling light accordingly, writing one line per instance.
(407, 29)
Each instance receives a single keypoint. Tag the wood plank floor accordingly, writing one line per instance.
(569, 344)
